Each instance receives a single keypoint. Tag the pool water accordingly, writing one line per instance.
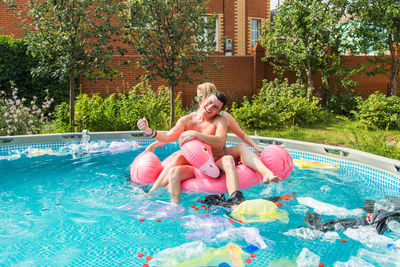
(64, 210)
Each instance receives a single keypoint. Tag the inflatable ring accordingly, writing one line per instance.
(199, 155)
(147, 166)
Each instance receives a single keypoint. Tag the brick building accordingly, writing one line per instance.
(239, 21)
(242, 68)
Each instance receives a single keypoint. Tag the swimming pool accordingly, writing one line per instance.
(59, 209)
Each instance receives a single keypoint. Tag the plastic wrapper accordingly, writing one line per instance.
(198, 254)
(329, 209)
(368, 236)
(307, 258)
(218, 230)
(151, 210)
(259, 210)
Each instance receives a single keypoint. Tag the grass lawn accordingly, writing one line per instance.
(341, 132)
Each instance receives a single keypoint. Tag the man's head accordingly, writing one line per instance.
(215, 103)
(221, 97)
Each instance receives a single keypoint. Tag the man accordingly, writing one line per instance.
(207, 126)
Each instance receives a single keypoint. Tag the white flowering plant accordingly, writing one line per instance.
(18, 117)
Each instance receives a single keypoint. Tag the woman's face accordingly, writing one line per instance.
(199, 97)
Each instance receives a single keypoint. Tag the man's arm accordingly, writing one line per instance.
(165, 138)
(219, 139)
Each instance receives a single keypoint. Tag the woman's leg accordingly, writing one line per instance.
(251, 160)
(162, 179)
(176, 175)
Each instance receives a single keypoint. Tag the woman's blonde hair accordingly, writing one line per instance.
(207, 89)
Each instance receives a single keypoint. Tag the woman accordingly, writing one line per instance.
(239, 151)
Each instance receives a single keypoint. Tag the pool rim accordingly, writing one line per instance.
(343, 153)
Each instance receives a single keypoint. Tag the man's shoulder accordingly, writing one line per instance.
(187, 117)
(227, 115)
(229, 118)
(220, 118)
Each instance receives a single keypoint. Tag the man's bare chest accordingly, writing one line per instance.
(204, 127)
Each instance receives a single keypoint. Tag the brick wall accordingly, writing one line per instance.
(9, 22)
(235, 79)
(215, 6)
(232, 21)
(368, 84)
(240, 27)
(240, 76)
(259, 9)
(229, 21)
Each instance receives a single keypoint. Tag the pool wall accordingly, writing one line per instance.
(382, 171)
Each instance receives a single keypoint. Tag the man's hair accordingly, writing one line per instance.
(221, 97)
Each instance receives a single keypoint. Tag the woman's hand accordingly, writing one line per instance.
(152, 146)
(258, 150)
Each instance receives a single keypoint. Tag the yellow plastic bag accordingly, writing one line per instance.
(259, 210)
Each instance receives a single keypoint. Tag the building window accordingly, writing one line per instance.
(255, 31)
(216, 32)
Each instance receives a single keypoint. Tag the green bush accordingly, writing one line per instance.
(121, 112)
(61, 121)
(16, 64)
(379, 111)
(343, 104)
(278, 105)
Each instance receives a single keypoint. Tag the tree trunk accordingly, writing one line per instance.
(395, 68)
(71, 100)
(172, 105)
(310, 83)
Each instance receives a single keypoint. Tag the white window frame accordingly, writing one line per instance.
(255, 32)
(205, 17)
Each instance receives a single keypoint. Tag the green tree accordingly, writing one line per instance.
(173, 38)
(16, 64)
(72, 38)
(306, 36)
(378, 29)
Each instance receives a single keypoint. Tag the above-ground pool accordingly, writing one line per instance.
(72, 204)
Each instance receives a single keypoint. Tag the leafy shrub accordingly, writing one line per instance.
(16, 65)
(343, 104)
(379, 111)
(376, 142)
(120, 112)
(21, 118)
(61, 118)
(278, 105)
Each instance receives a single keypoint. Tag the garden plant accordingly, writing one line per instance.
(19, 117)
(279, 110)
(306, 38)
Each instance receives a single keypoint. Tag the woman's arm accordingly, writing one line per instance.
(152, 146)
(234, 127)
